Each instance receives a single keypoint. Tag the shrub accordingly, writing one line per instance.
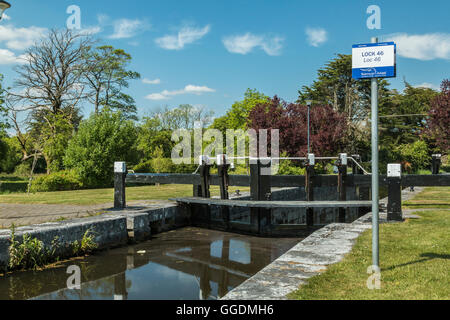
(287, 167)
(158, 165)
(30, 253)
(13, 186)
(85, 246)
(416, 154)
(100, 141)
(11, 155)
(185, 168)
(23, 169)
(143, 167)
(57, 181)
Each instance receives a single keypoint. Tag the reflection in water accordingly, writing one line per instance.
(188, 264)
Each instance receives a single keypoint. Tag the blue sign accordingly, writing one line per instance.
(374, 60)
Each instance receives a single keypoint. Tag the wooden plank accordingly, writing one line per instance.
(275, 204)
(150, 178)
(438, 180)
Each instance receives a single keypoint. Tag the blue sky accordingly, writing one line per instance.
(207, 53)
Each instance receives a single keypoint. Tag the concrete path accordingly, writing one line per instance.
(30, 214)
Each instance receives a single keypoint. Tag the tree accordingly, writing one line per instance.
(49, 87)
(182, 117)
(3, 122)
(106, 75)
(403, 116)
(51, 76)
(335, 86)
(11, 154)
(153, 136)
(52, 136)
(100, 141)
(237, 117)
(3, 145)
(328, 127)
(439, 118)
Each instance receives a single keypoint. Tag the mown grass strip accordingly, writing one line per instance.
(414, 258)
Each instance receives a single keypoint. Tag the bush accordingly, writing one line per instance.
(11, 155)
(417, 154)
(13, 186)
(185, 168)
(58, 181)
(23, 169)
(100, 141)
(143, 167)
(30, 254)
(86, 246)
(158, 165)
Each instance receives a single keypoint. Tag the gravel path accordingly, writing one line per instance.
(29, 214)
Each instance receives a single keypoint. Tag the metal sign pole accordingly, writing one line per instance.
(309, 103)
(375, 177)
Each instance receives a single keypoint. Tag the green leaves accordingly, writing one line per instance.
(100, 141)
(415, 154)
(106, 76)
(237, 117)
(336, 87)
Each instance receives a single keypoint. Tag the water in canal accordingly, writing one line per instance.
(186, 264)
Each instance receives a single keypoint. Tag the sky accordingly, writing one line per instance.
(207, 53)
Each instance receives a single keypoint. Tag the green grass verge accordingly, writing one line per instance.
(433, 197)
(414, 258)
(100, 196)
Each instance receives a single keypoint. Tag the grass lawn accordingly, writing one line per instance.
(414, 258)
(433, 197)
(100, 196)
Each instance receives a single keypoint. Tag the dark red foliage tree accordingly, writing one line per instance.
(328, 127)
(439, 120)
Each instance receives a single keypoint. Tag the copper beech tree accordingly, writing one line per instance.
(328, 127)
(439, 121)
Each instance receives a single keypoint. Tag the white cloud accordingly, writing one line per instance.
(197, 89)
(244, 44)
(156, 97)
(126, 28)
(8, 57)
(422, 47)
(148, 81)
(189, 89)
(186, 35)
(103, 19)
(6, 17)
(90, 30)
(20, 38)
(428, 85)
(316, 36)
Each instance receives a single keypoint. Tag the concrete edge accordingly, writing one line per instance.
(110, 230)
